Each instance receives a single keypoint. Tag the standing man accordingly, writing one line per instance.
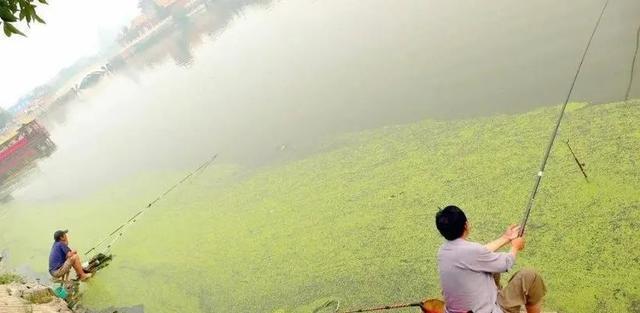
(466, 270)
(62, 258)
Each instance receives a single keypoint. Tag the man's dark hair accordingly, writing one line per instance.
(450, 222)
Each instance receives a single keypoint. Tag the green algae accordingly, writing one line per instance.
(7, 278)
(355, 222)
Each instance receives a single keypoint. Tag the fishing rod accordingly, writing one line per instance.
(427, 306)
(633, 65)
(120, 230)
(329, 304)
(388, 307)
(554, 134)
(580, 164)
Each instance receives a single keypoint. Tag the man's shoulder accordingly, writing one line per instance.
(59, 246)
(464, 245)
(476, 246)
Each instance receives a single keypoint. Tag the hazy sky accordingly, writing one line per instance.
(74, 28)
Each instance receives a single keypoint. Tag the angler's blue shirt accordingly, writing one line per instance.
(58, 255)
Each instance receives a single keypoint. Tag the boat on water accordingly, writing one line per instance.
(20, 147)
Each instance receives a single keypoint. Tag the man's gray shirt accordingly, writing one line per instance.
(466, 276)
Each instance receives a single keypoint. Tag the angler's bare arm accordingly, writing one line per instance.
(510, 234)
(497, 244)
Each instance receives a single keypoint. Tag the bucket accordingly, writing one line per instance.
(61, 292)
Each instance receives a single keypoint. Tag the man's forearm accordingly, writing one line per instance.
(497, 244)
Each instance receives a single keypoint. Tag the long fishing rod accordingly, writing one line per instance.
(580, 164)
(388, 307)
(554, 134)
(120, 230)
(427, 306)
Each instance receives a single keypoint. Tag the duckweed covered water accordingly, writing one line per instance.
(355, 222)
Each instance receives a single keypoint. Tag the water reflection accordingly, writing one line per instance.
(185, 31)
(19, 151)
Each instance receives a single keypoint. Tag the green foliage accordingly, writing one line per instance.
(7, 278)
(12, 11)
(355, 222)
(39, 297)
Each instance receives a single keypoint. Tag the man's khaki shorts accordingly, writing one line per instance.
(63, 270)
(525, 287)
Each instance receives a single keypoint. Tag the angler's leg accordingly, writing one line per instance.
(77, 266)
(525, 287)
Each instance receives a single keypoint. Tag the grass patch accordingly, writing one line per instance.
(7, 278)
(39, 297)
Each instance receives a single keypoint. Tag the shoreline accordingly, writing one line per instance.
(21, 295)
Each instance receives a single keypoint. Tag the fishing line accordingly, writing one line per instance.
(633, 65)
(554, 134)
(120, 230)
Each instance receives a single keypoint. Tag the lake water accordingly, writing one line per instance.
(263, 84)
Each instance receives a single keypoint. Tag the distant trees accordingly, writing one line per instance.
(13, 11)
(150, 14)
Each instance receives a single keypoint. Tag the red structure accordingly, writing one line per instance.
(29, 143)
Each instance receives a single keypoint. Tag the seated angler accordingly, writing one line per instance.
(467, 270)
(62, 258)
